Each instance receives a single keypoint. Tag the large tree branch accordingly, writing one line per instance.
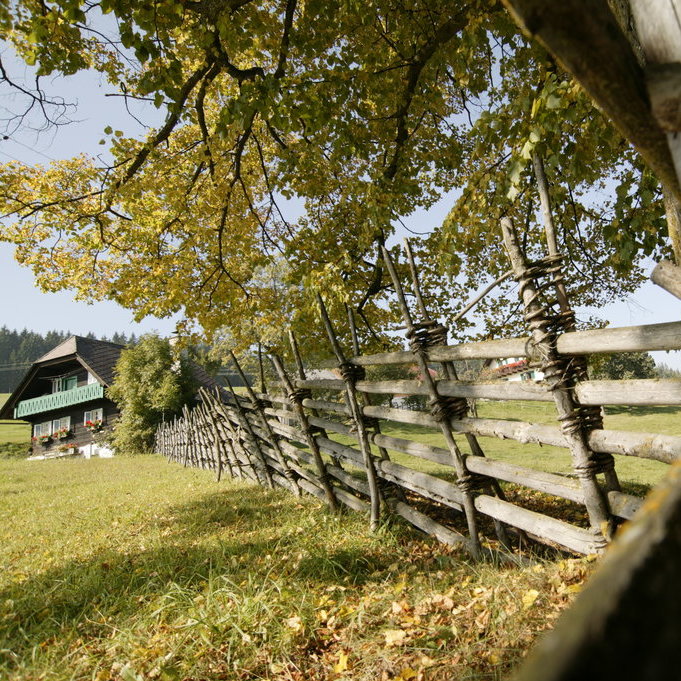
(285, 38)
(201, 115)
(442, 35)
(164, 132)
(585, 37)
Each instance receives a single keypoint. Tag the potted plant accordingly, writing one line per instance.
(44, 439)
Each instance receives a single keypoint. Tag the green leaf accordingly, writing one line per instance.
(553, 102)
(527, 150)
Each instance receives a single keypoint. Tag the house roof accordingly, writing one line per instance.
(204, 379)
(98, 357)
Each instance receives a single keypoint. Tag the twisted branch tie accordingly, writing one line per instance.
(442, 409)
(562, 372)
(352, 372)
(424, 335)
(297, 395)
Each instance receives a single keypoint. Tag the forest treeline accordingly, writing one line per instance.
(19, 349)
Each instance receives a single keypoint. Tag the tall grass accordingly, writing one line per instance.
(134, 569)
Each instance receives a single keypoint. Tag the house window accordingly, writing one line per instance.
(93, 416)
(64, 383)
(58, 424)
(40, 429)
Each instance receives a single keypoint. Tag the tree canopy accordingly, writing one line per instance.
(620, 366)
(361, 112)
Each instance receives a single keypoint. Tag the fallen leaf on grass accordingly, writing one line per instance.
(294, 623)
(529, 598)
(394, 637)
(342, 663)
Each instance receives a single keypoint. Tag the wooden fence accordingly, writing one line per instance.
(325, 436)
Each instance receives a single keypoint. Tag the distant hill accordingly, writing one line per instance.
(19, 349)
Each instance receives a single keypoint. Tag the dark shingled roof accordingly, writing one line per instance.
(100, 356)
(204, 379)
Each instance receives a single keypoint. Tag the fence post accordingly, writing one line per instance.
(246, 426)
(558, 373)
(442, 408)
(296, 396)
(259, 408)
(449, 371)
(350, 374)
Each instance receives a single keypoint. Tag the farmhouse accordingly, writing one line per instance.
(514, 369)
(63, 397)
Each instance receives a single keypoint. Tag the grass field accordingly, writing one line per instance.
(15, 432)
(136, 569)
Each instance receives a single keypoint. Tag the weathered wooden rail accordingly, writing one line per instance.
(325, 436)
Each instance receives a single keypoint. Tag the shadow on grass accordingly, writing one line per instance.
(113, 584)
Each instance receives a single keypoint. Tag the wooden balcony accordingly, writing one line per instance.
(65, 398)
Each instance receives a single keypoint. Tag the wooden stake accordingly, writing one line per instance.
(301, 375)
(457, 457)
(257, 407)
(309, 435)
(246, 426)
(352, 403)
(596, 504)
(263, 387)
(549, 227)
(449, 371)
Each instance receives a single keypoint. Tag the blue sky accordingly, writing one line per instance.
(26, 307)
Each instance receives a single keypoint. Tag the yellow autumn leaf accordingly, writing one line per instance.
(394, 637)
(426, 661)
(401, 584)
(529, 598)
(342, 663)
(406, 674)
(294, 623)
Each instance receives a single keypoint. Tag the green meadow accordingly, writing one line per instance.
(13, 432)
(133, 569)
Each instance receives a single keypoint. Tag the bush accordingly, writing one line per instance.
(151, 383)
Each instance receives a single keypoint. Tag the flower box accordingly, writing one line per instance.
(94, 426)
